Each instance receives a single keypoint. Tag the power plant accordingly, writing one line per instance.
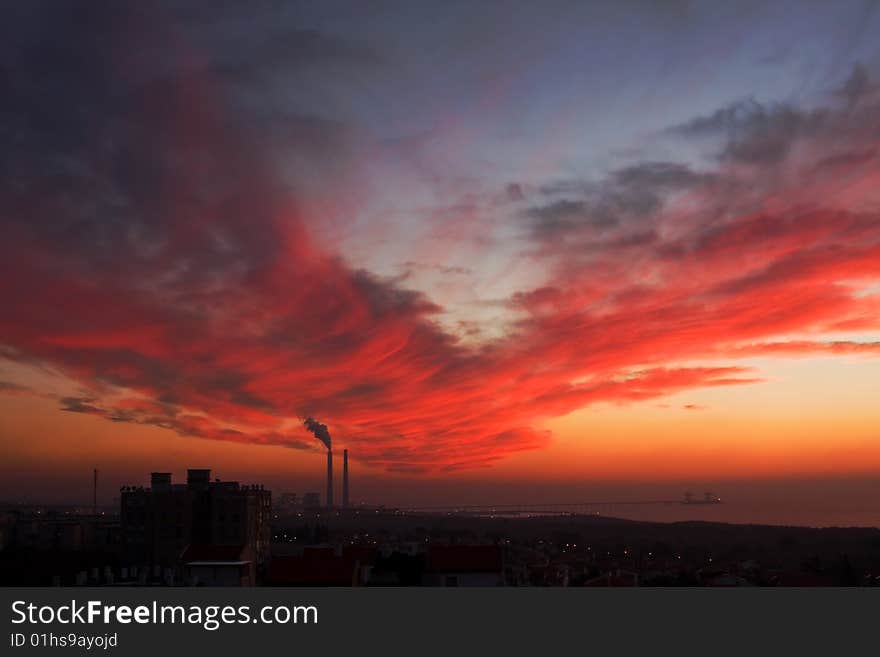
(321, 432)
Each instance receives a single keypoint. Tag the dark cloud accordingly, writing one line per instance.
(625, 195)
(763, 134)
(263, 44)
(81, 405)
(857, 86)
(660, 176)
(756, 133)
(117, 137)
(450, 270)
(561, 218)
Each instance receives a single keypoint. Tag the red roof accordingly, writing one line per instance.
(464, 559)
(205, 552)
(315, 569)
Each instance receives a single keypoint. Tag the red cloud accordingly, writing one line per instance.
(188, 294)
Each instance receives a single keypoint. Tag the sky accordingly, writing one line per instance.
(506, 249)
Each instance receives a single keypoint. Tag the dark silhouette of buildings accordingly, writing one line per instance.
(161, 522)
(206, 532)
(311, 500)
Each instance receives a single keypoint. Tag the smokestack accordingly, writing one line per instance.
(95, 492)
(345, 500)
(329, 479)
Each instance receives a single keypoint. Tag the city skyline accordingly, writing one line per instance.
(502, 252)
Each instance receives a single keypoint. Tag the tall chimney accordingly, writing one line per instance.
(95, 492)
(329, 478)
(345, 500)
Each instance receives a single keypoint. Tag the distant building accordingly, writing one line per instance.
(287, 503)
(39, 530)
(311, 501)
(159, 523)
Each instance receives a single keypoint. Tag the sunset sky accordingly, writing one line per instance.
(506, 249)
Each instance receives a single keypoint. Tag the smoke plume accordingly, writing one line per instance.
(320, 430)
